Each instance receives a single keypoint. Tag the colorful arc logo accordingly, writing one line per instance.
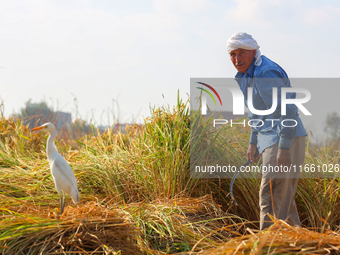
(213, 90)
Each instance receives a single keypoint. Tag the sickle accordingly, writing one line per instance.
(236, 174)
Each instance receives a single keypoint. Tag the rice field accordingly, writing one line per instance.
(137, 197)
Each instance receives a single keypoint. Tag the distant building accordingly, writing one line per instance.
(115, 128)
(37, 117)
(62, 119)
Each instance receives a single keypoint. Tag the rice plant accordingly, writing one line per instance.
(137, 195)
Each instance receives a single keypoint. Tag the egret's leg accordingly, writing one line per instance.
(64, 198)
(62, 202)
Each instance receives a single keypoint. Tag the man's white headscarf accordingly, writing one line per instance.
(244, 41)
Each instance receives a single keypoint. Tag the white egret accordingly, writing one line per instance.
(63, 176)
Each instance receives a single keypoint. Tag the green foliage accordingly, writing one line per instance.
(148, 163)
(332, 125)
(35, 114)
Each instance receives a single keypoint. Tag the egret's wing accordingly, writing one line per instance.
(64, 176)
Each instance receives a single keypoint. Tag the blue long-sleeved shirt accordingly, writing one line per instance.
(262, 79)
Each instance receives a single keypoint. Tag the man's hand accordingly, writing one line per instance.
(283, 157)
(251, 152)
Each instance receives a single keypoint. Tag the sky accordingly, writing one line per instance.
(105, 59)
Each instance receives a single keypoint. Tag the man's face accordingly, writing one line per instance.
(242, 59)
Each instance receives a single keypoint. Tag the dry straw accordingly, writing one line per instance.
(280, 238)
(137, 196)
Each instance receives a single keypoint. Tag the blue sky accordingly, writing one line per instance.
(137, 51)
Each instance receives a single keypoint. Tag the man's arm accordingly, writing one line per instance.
(253, 136)
(252, 147)
(270, 79)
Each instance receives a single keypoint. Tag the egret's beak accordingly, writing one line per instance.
(37, 128)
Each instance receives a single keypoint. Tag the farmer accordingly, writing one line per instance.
(279, 145)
